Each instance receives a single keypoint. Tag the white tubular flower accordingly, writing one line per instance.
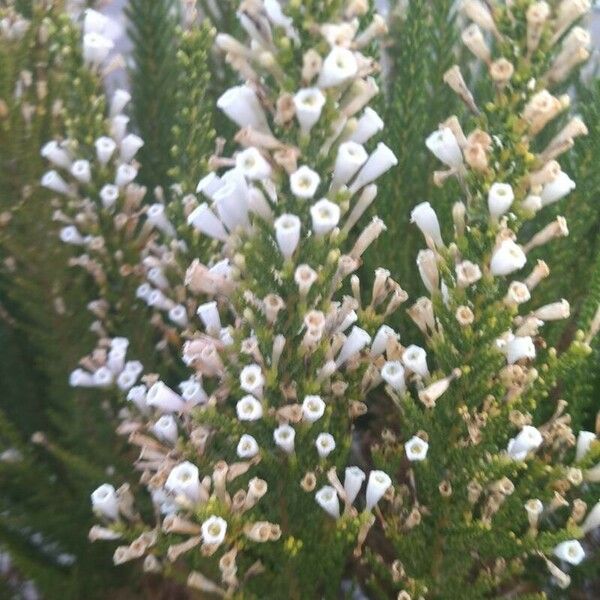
(81, 171)
(425, 218)
(247, 447)
(214, 530)
(304, 182)
(105, 502)
(193, 393)
(70, 235)
(287, 233)
(325, 444)
(184, 480)
(109, 195)
(528, 439)
(118, 127)
(165, 429)
(467, 273)
(507, 258)
(242, 106)
(81, 378)
(252, 380)
(428, 270)
(209, 315)
(277, 17)
(96, 48)
(309, 103)
(325, 216)
(328, 500)
(249, 409)
(94, 21)
(253, 164)
(116, 360)
(313, 408)
(584, 442)
(129, 146)
(380, 341)
(570, 551)
(204, 220)
(444, 146)
(231, 200)
(377, 486)
(353, 344)
(338, 67)
(119, 101)
(592, 521)
(164, 398)
(557, 189)
(416, 449)
(415, 359)
(284, 438)
(368, 125)
(103, 377)
(392, 373)
(304, 276)
(178, 315)
(54, 182)
(137, 395)
(381, 161)
(209, 185)
(353, 480)
(125, 175)
(105, 148)
(126, 380)
(518, 293)
(518, 348)
(350, 158)
(500, 199)
(58, 156)
(157, 217)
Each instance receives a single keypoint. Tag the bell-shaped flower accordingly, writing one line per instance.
(392, 373)
(325, 216)
(507, 258)
(500, 199)
(444, 146)
(249, 409)
(527, 440)
(378, 484)
(165, 429)
(253, 164)
(204, 220)
(313, 408)
(570, 551)
(328, 500)
(309, 103)
(105, 502)
(247, 446)
(416, 449)
(353, 344)
(129, 146)
(164, 398)
(353, 480)
(105, 148)
(304, 182)
(556, 190)
(184, 480)
(415, 359)
(252, 380)
(242, 106)
(339, 66)
(425, 218)
(209, 315)
(214, 530)
(350, 158)
(518, 348)
(378, 163)
(284, 437)
(287, 233)
(367, 126)
(325, 444)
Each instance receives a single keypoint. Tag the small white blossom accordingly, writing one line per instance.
(328, 500)
(392, 373)
(377, 486)
(252, 380)
(284, 438)
(507, 258)
(528, 439)
(309, 103)
(500, 199)
(570, 551)
(313, 408)
(304, 182)
(287, 233)
(166, 429)
(353, 480)
(249, 409)
(214, 530)
(519, 347)
(444, 146)
(253, 164)
(368, 125)
(415, 359)
(416, 449)
(105, 502)
(425, 218)
(325, 216)
(556, 190)
(325, 444)
(184, 479)
(164, 398)
(338, 67)
(247, 446)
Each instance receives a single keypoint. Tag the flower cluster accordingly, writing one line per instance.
(489, 481)
(241, 445)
